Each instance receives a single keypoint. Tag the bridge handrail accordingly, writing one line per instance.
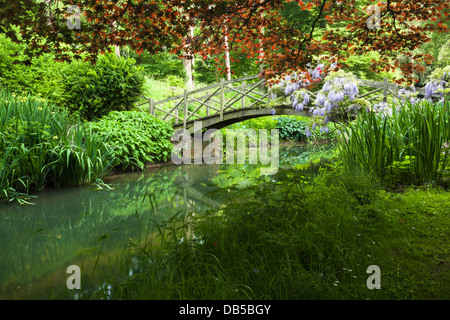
(240, 93)
(226, 82)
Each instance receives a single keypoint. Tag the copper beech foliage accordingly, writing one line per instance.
(254, 27)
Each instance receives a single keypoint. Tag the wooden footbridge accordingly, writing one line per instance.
(231, 101)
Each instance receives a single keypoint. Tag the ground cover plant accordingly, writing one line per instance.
(137, 138)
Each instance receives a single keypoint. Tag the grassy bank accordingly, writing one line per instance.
(304, 235)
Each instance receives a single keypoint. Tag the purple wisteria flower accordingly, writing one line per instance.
(434, 87)
(334, 91)
(293, 86)
(408, 95)
(308, 133)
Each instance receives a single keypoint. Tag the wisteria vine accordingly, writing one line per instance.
(340, 93)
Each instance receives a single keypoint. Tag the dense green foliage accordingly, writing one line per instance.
(112, 84)
(40, 147)
(291, 129)
(137, 138)
(89, 91)
(161, 65)
(44, 77)
(414, 139)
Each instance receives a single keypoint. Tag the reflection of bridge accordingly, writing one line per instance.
(231, 101)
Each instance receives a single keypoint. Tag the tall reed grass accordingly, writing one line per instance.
(40, 146)
(414, 139)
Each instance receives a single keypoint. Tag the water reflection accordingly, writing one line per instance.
(94, 228)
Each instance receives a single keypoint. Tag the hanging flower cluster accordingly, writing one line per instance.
(292, 88)
(434, 87)
(408, 95)
(337, 87)
(437, 83)
(382, 109)
(340, 92)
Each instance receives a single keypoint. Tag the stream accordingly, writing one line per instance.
(93, 226)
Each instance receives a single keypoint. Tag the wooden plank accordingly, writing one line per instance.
(250, 96)
(370, 83)
(231, 90)
(190, 114)
(247, 78)
(230, 107)
(218, 92)
(202, 103)
(151, 106)
(198, 108)
(370, 93)
(207, 107)
(174, 108)
(373, 98)
(243, 97)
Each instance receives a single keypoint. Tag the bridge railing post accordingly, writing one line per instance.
(186, 104)
(243, 96)
(385, 89)
(151, 107)
(222, 98)
(207, 108)
(176, 114)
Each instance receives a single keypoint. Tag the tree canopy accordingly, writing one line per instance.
(285, 35)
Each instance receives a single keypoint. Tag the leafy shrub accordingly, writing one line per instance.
(43, 77)
(112, 84)
(291, 129)
(136, 137)
(260, 123)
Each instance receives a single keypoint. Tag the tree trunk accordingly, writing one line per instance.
(189, 66)
(227, 56)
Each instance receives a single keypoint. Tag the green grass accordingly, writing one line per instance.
(302, 236)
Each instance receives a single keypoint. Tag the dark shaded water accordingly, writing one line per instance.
(94, 228)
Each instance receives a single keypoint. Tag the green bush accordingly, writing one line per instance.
(43, 77)
(113, 83)
(291, 129)
(136, 137)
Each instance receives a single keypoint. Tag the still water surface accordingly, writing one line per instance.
(92, 228)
